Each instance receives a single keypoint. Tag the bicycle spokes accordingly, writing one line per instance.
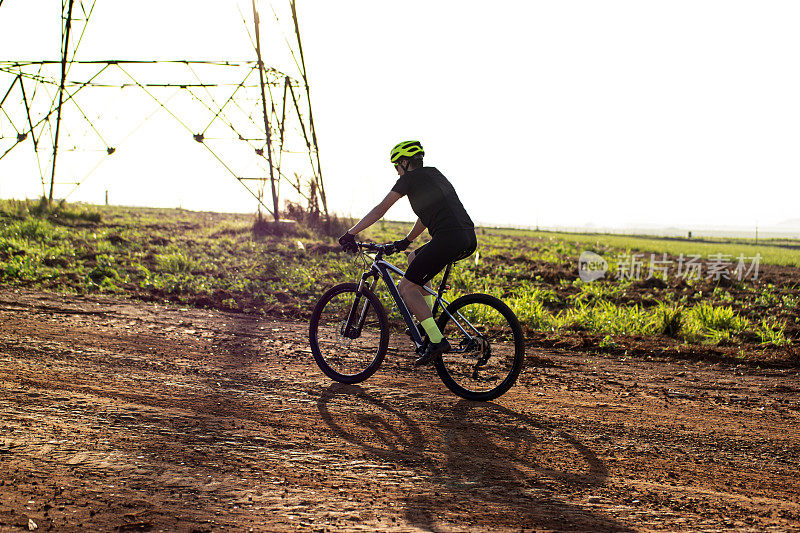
(490, 347)
(349, 333)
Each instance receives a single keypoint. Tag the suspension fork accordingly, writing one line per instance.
(356, 318)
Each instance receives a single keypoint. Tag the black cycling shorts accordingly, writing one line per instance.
(444, 248)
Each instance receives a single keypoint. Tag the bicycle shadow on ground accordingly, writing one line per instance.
(505, 469)
(372, 424)
(490, 468)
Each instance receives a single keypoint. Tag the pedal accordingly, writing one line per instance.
(421, 349)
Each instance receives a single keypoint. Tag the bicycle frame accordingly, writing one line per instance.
(350, 332)
(382, 269)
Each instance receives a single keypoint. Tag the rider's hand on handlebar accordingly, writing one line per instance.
(402, 244)
(394, 247)
(348, 243)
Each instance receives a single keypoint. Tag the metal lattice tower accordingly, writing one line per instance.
(228, 107)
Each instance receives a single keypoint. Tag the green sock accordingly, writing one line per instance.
(432, 330)
(430, 299)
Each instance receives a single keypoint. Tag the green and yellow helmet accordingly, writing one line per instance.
(406, 149)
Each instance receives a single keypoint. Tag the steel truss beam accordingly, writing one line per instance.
(46, 116)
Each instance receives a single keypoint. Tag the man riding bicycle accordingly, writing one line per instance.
(436, 204)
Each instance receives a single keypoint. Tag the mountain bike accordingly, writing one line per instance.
(349, 333)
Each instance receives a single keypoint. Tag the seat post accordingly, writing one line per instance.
(442, 285)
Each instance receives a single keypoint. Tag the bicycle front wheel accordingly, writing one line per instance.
(488, 347)
(349, 333)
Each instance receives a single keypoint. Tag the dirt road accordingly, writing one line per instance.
(133, 416)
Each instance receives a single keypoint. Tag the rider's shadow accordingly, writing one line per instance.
(507, 470)
(493, 468)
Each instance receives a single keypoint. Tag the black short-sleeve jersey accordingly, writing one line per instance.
(434, 200)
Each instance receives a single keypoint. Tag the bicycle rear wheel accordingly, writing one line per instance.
(488, 347)
(349, 333)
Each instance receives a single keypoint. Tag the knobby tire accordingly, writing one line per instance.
(452, 371)
(339, 348)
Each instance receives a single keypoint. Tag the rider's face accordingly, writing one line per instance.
(400, 169)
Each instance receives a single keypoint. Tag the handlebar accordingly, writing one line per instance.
(371, 246)
(382, 249)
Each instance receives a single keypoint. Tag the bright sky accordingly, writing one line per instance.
(566, 113)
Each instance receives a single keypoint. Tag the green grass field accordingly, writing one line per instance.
(223, 261)
(773, 251)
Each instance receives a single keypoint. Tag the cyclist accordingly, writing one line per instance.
(436, 204)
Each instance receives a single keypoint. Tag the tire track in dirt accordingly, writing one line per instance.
(131, 416)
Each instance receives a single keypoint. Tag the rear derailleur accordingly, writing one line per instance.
(479, 348)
